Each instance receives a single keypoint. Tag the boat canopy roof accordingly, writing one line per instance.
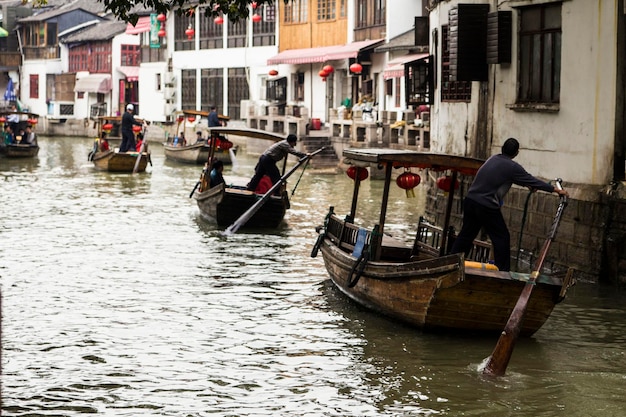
(405, 158)
(20, 113)
(201, 113)
(245, 132)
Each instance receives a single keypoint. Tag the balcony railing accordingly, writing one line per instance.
(10, 59)
(41, 52)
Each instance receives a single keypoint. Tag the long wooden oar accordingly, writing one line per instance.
(243, 219)
(499, 359)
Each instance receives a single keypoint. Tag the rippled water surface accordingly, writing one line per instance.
(119, 299)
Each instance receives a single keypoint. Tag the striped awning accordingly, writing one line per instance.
(395, 67)
(131, 73)
(93, 83)
(322, 54)
(143, 25)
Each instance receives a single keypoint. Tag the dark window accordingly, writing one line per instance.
(237, 33)
(264, 32)
(92, 57)
(277, 91)
(212, 90)
(326, 10)
(238, 90)
(211, 34)
(419, 83)
(298, 86)
(130, 55)
(181, 23)
(451, 90)
(370, 13)
(540, 54)
(188, 90)
(34, 86)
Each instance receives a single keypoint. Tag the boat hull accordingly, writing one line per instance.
(441, 293)
(112, 161)
(195, 154)
(225, 205)
(19, 151)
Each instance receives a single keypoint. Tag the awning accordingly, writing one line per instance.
(395, 67)
(143, 25)
(321, 54)
(94, 83)
(131, 73)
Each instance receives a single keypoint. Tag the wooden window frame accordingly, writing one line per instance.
(34, 86)
(451, 91)
(326, 10)
(130, 55)
(296, 12)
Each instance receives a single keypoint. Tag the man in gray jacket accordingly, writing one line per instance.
(485, 197)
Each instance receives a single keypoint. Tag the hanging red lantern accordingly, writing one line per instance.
(218, 20)
(191, 119)
(407, 181)
(180, 119)
(225, 144)
(161, 17)
(360, 172)
(107, 127)
(136, 129)
(323, 73)
(445, 183)
(2, 119)
(253, 4)
(256, 18)
(161, 33)
(329, 69)
(190, 32)
(356, 68)
(32, 121)
(273, 72)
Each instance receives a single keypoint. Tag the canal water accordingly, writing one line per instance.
(118, 299)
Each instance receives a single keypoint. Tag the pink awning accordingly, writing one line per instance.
(321, 54)
(395, 67)
(143, 25)
(93, 83)
(131, 73)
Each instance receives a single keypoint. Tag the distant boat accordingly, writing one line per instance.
(19, 149)
(113, 161)
(421, 284)
(224, 204)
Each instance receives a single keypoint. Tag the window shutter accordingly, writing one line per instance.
(422, 29)
(468, 42)
(499, 37)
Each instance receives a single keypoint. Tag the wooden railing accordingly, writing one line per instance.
(10, 59)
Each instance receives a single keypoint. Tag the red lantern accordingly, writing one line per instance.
(407, 181)
(218, 20)
(180, 119)
(190, 32)
(191, 119)
(32, 122)
(445, 183)
(161, 17)
(107, 127)
(225, 144)
(329, 69)
(356, 68)
(323, 73)
(2, 119)
(161, 33)
(253, 4)
(273, 72)
(256, 18)
(136, 129)
(361, 172)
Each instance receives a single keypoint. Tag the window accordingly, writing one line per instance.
(188, 93)
(277, 91)
(130, 55)
(211, 34)
(264, 32)
(298, 86)
(326, 10)
(540, 54)
(419, 83)
(238, 89)
(237, 33)
(370, 13)
(296, 11)
(181, 23)
(93, 57)
(34, 86)
(451, 90)
(212, 91)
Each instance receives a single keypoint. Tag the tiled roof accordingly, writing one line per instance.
(98, 32)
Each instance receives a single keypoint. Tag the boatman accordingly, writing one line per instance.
(269, 158)
(128, 137)
(485, 197)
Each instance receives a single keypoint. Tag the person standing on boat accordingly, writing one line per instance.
(128, 137)
(269, 158)
(484, 198)
(213, 118)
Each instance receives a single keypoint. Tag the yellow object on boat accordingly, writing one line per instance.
(481, 265)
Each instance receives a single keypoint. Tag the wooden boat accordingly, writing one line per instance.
(19, 149)
(421, 284)
(113, 161)
(198, 152)
(224, 204)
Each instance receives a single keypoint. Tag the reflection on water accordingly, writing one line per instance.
(119, 299)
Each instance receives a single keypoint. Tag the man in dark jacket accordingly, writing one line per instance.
(128, 136)
(269, 158)
(485, 197)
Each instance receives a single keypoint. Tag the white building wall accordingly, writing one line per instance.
(575, 143)
(401, 16)
(41, 68)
